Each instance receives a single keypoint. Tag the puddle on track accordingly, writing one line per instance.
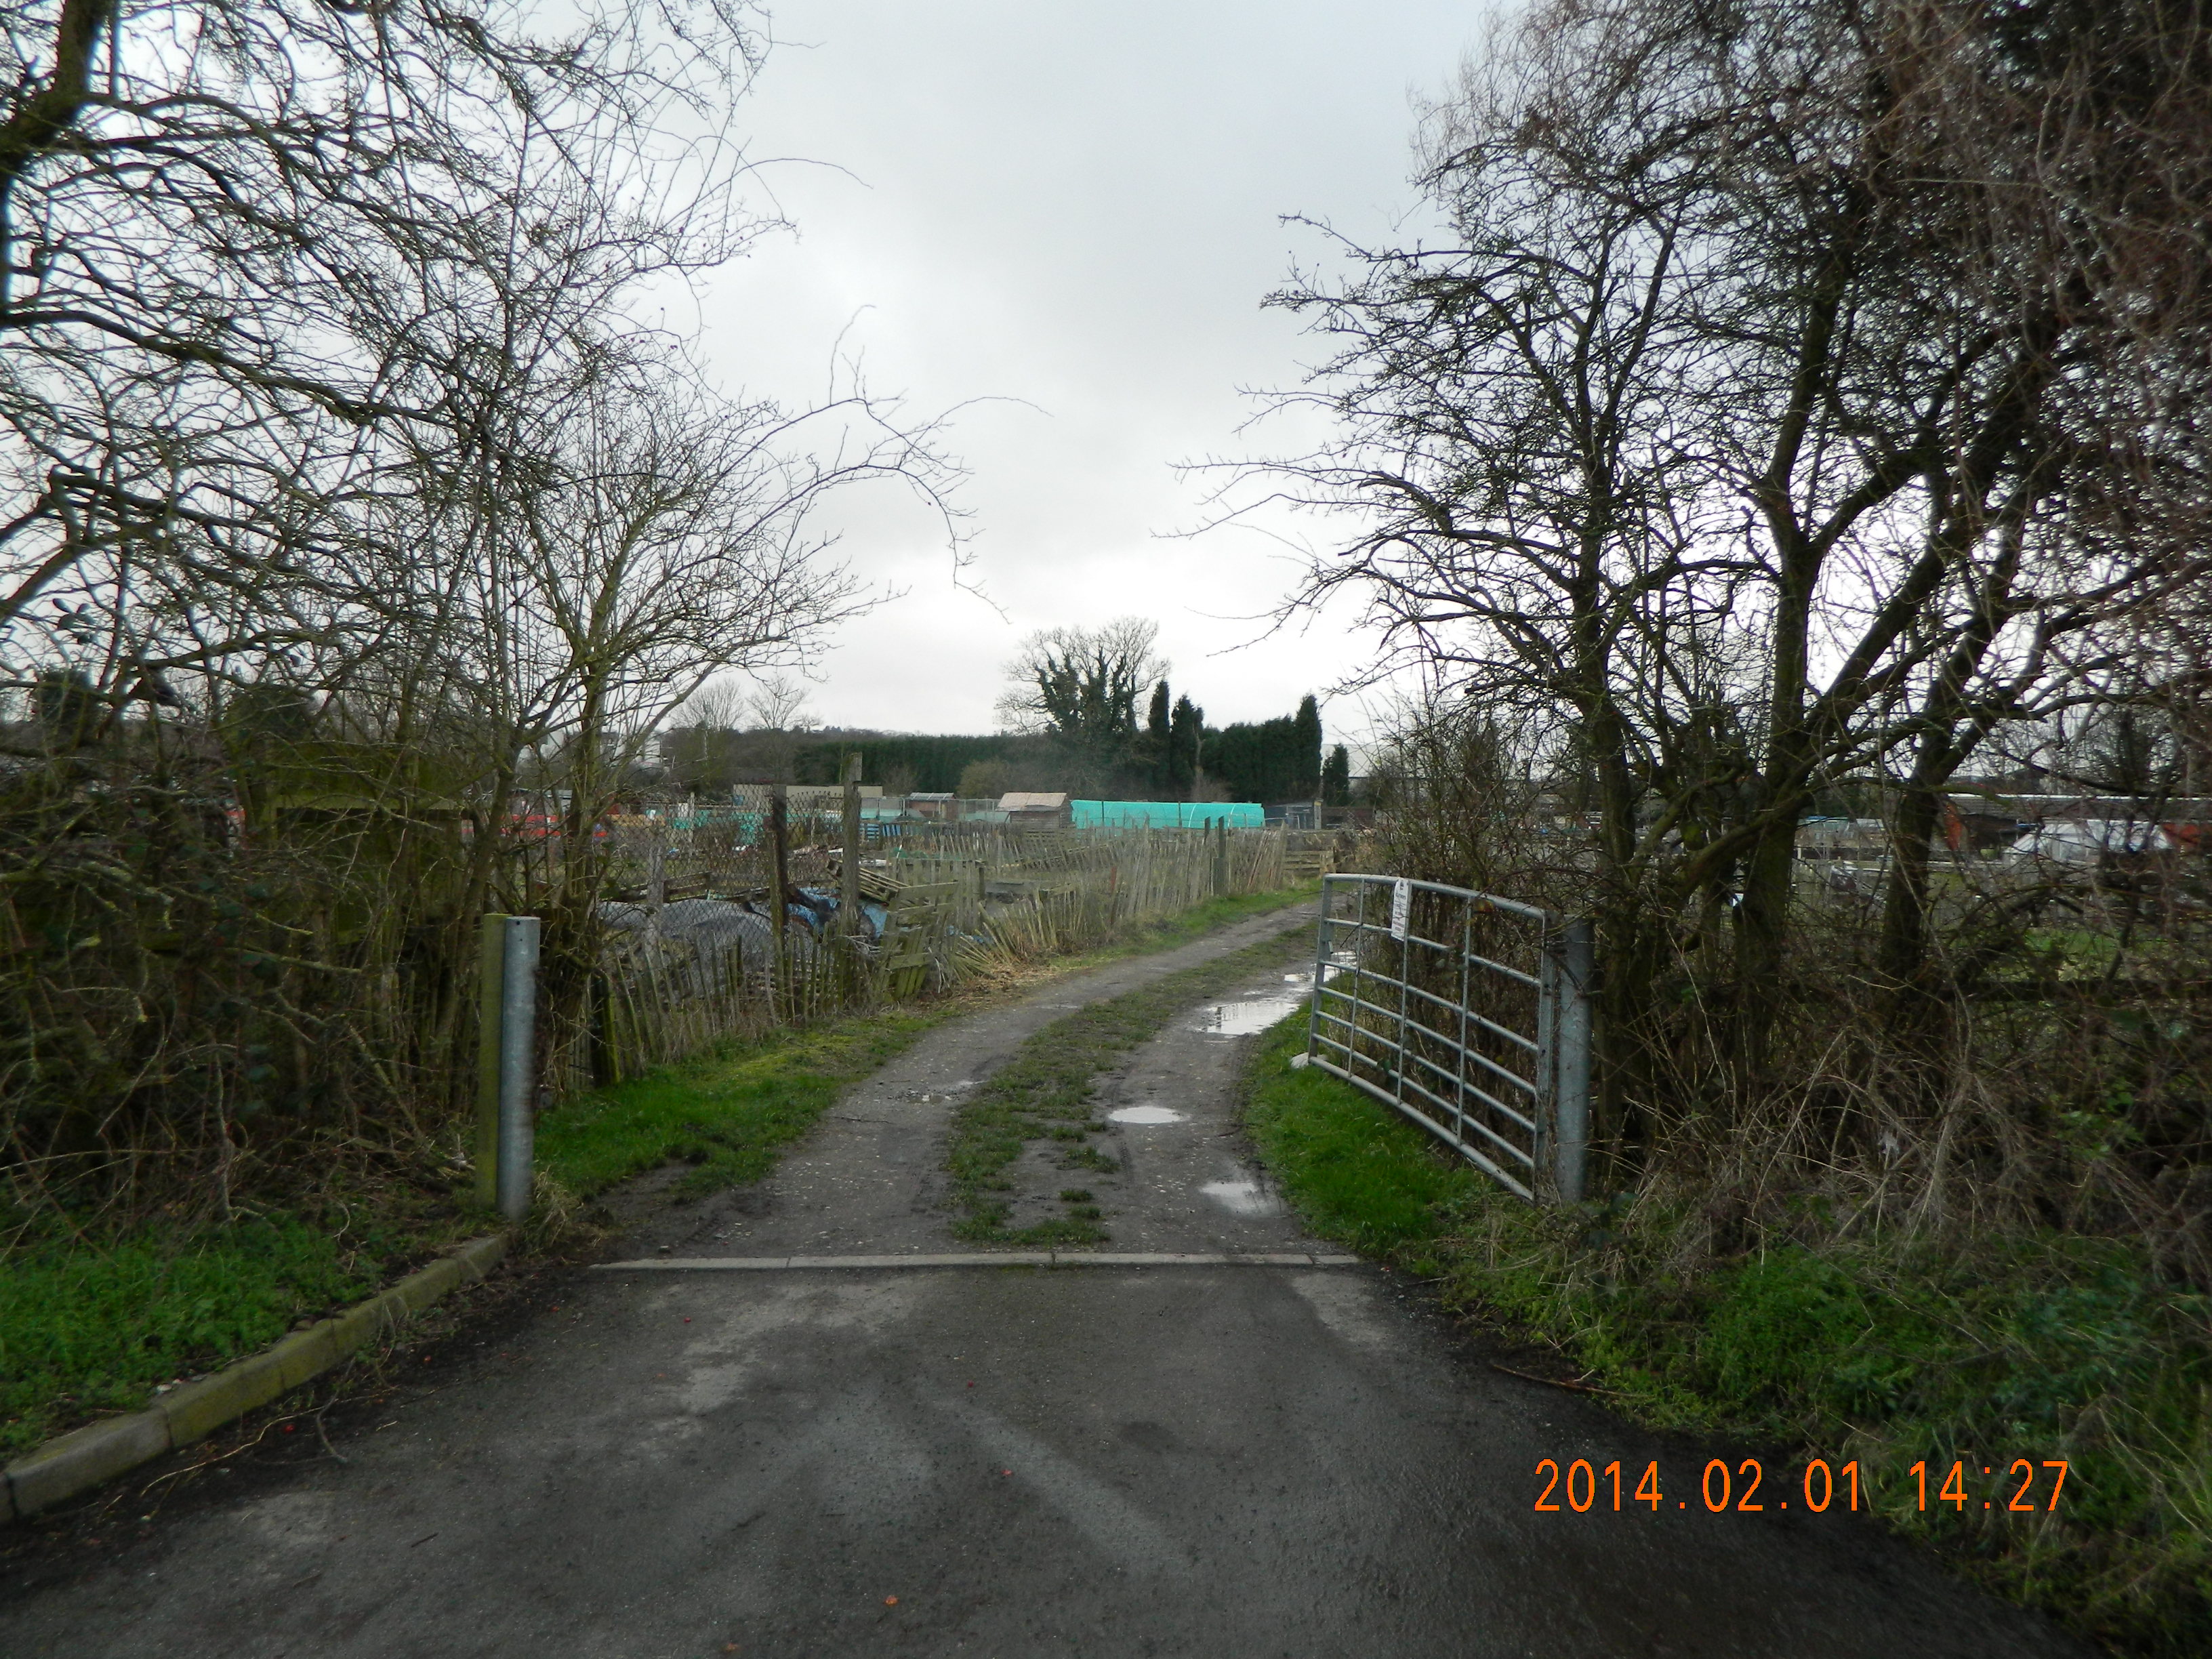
(1145, 1115)
(1244, 1018)
(1256, 1011)
(1244, 1196)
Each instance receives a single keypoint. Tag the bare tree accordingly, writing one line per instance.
(720, 704)
(1083, 684)
(320, 390)
(778, 703)
(239, 248)
(1783, 409)
(1527, 529)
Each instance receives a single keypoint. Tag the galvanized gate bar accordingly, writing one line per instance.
(1421, 1050)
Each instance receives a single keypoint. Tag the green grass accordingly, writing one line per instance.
(1358, 1173)
(1888, 1350)
(729, 1113)
(91, 1328)
(1209, 917)
(1045, 1091)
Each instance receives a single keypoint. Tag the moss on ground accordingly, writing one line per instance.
(1893, 1350)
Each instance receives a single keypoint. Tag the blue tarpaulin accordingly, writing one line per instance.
(1167, 814)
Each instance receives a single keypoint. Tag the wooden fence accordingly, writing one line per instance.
(691, 955)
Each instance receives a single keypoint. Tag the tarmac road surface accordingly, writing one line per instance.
(1202, 1460)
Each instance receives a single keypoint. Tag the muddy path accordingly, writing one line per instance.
(869, 1180)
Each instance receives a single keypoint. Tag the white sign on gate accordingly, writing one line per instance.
(1401, 908)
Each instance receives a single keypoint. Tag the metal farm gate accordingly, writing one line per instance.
(1469, 1013)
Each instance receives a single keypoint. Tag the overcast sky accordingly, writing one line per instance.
(1074, 208)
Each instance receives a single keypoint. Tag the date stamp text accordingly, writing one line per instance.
(1746, 1487)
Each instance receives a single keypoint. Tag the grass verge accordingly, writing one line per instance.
(730, 1112)
(1891, 1351)
(1045, 1091)
(87, 1328)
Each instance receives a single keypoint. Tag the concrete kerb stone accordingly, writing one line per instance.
(359, 1325)
(76, 1462)
(199, 1409)
(306, 1353)
(480, 1255)
(419, 1291)
(64, 1467)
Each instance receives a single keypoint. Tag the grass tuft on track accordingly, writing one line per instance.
(1046, 1090)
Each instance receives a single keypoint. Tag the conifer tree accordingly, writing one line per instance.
(1305, 776)
(1336, 778)
(1155, 756)
(1185, 726)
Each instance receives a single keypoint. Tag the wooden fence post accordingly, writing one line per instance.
(848, 886)
(779, 898)
(848, 874)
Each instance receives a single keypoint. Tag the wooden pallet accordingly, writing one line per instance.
(915, 915)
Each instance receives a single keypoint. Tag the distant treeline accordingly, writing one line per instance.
(931, 765)
(1270, 761)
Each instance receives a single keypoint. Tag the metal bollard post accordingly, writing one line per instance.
(1548, 1056)
(505, 1056)
(1570, 1028)
(518, 1070)
(491, 974)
